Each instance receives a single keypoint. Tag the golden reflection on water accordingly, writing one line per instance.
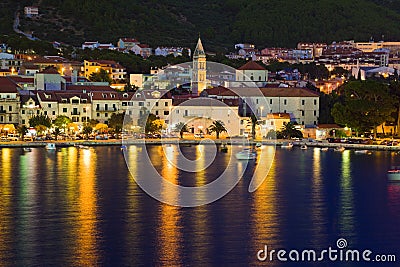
(169, 238)
(87, 232)
(346, 196)
(5, 197)
(264, 224)
(28, 197)
(318, 207)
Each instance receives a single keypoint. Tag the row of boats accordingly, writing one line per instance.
(52, 146)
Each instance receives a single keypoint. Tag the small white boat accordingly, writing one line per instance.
(83, 147)
(303, 147)
(394, 174)
(246, 154)
(27, 149)
(339, 149)
(287, 145)
(364, 151)
(324, 148)
(51, 146)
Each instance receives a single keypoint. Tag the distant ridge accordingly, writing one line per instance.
(221, 23)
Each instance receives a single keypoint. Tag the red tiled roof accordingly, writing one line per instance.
(7, 85)
(89, 88)
(251, 65)
(143, 45)
(267, 92)
(110, 95)
(49, 71)
(130, 40)
(19, 79)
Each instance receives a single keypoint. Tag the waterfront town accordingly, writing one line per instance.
(43, 95)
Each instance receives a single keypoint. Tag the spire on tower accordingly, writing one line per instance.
(199, 49)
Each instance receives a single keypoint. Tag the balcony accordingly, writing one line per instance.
(2, 111)
(75, 113)
(109, 109)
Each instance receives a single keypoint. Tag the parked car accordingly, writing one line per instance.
(13, 137)
(200, 135)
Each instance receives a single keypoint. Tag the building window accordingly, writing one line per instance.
(156, 104)
(302, 123)
(54, 113)
(49, 105)
(23, 111)
(98, 114)
(84, 110)
(9, 108)
(315, 102)
(302, 113)
(166, 112)
(106, 115)
(157, 112)
(303, 102)
(23, 121)
(65, 110)
(45, 112)
(315, 123)
(315, 113)
(141, 104)
(270, 101)
(166, 103)
(284, 101)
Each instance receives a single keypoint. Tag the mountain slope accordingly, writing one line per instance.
(221, 23)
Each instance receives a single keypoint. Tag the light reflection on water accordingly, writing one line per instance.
(86, 204)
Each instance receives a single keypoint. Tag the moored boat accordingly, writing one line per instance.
(287, 145)
(393, 174)
(364, 151)
(27, 149)
(303, 147)
(51, 146)
(339, 149)
(324, 148)
(224, 148)
(246, 154)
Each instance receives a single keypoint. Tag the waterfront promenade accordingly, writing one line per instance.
(119, 142)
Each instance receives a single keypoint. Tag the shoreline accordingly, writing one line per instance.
(119, 142)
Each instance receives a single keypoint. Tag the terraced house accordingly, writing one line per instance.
(9, 102)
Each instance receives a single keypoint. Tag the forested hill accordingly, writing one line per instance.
(221, 23)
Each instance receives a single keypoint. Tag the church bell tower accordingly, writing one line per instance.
(199, 73)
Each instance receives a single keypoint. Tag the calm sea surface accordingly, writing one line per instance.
(76, 207)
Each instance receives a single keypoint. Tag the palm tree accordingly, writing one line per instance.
(254, 122)
(289, 130)
(87, 130)
(56, 132)
(181, 127)
(217, 127)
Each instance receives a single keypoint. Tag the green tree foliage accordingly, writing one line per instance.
(87, 130)
(217, 127)
(364, 105)
(62, 121)
(150, 122)
(101, 76)
(56, 133)
(116, 121)
(40, 120)
(22, 130)
(326, 103)
(181, 128)
(221, 23)
(289, 131)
